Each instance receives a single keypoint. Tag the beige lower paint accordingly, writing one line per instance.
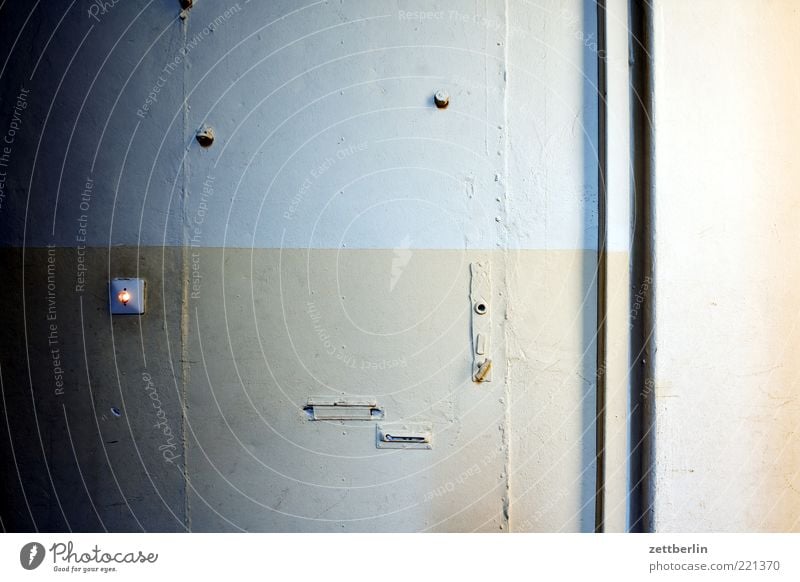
(244, 337)
(76, 465)
(270, 328)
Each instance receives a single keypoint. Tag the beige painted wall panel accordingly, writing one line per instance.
(299, 329)
(550, 331)
(257, 463)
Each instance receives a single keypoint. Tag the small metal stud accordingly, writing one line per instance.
(441, 99)
(205, 136)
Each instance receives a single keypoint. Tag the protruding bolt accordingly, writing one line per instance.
(442, 99)
(205, 136)
(483, 370)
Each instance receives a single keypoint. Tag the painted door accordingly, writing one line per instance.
(332, 244)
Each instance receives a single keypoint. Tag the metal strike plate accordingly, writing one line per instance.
(126, 296)
(480, 294)
(404, 436)
(337, 408)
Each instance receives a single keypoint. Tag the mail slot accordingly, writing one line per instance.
(404, 436)
(336, 408)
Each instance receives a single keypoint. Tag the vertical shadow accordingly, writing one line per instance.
(592, 283)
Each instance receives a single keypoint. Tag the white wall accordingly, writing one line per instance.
(728, 283)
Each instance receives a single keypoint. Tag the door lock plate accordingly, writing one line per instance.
(480, 294)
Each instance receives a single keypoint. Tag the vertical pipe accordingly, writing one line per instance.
(602, 229)
(640, 510)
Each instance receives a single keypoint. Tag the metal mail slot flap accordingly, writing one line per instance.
(338, 408)
(404, 436)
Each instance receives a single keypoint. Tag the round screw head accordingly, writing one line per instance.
(441, 98)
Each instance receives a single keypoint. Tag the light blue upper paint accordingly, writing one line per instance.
(327, 135)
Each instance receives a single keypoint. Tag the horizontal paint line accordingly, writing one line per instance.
(41, 247)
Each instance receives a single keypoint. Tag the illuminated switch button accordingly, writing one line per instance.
(126, 296)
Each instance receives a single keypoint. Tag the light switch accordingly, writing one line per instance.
(126, 296)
